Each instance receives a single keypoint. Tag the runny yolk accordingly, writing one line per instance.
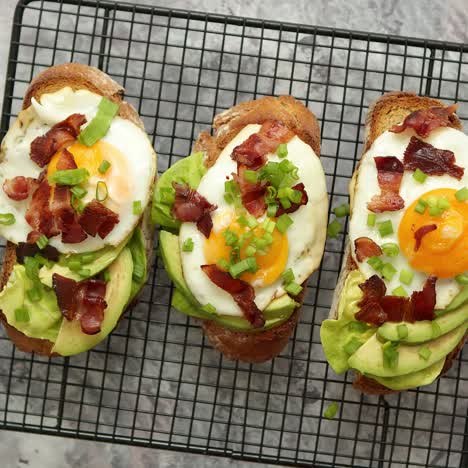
(444, 251)
(270, 266)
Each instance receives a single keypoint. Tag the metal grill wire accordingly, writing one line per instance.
(156, 381)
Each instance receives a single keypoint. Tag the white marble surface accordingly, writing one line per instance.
(445, 20)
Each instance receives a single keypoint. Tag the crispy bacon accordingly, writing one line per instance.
(59, 136)
(242, 293)
(66, 161)
(27, 249)
(98, 219)
(421, 232)
(190, 206)
(364, 247)
(423, 121)
(295, 206)
(376, 308)
(83, 301)
(252, 152)
(20, 187)
(389, 174)
(33, 237)
(252, 195)
(66, 217)
(430, 160)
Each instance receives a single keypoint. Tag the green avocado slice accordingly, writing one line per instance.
(425, 330)
(71, 340)
(413, 380)
(368, 359)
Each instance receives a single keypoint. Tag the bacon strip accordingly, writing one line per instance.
(20, 187)
(421, 232)
(430, 160)
(376, 308)
(66, 161)
(98, 219)
(83, 301)
(389, 174)
(242, 293)
(252, 195)
(59, 136)
(252, 152)
(190, 206)
(423, 121)
(364, 247)
(295, 206)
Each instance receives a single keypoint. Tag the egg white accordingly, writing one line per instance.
(306, 236)
(394, 144)
(130, 140)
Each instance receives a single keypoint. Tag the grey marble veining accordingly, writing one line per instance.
(435, 20)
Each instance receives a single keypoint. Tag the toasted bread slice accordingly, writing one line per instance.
(261, 346)
(76, 76)
(388, 110)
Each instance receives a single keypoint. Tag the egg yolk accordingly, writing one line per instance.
(270, 266)
(90, 158)
(444, 251)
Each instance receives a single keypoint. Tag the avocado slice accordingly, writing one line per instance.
(459, 300)
(368, 359)
(425, 330)
(71, 340)
(181, 303)
(413, 380)
(170, 252)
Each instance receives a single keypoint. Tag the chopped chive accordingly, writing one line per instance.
(211, 309)
(431, 201)
(288, 276)
(250, 251)
(285, 203)
(390, 354)
(425, 353)
(104, 166)
(137, 207)
(78, 191)
(69, 176)
(223, 263)
(31, 266)
(77, 204)
(388, 271)
(42, 241)
(269, 225)
(390, 249)
(34, 294)
(331, 410)
(7, 219)
(334, 228)
(85, 272)
(435, 211)
(462, 194)
(371, 218)
(462, 279)
(74, 265)
(248, 264)
(406, 276)
(268, 238)
(436, 331)
(400, 291)
(419, 176)
(187, 246)
(245, 236)
(230, 237)
(284, 222)
(272, 209)
(282, 150)
(293, 288)
(106, 276)
(402, 331)
(342, 210)
(88, 257)
(385, 228)
(252, 222)
(99, 125)
(22, 314)
(443, 203)
(376, 263)
(352, 345)
(420, 207)
(102, 193)
(250, 176)
(295, 196)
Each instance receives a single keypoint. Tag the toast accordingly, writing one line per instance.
(76, 76)
(265, 345)
(388, 110)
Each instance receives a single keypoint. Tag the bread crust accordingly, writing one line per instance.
(390, 109)
(255, 347)
(76, 76)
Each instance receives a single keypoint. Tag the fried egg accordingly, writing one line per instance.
(443, 252)
(125, 146)
(299, 248)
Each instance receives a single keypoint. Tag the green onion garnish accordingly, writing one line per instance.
(284, 222)
(167, 195)
(78, 191)
(371, 218)
(390, 354)
(419, 176)
(385, 228)
(88, 257)
(406, 276)
(402, 331)
(268, 238)
(86, 272)
(102, 192)
(282, 150)
(285, 203)
(137, 207)
(443, 203)
(42, 241)
(331, 411)
(268, 225)
(425, 353)
(31, 266)
(104, 166)
(359, 327)
(250, 176)
(352, 345)
(288, 276)
(435, 211)
(34, 294)
(69, 176)
(388, 271)
(77, 204)
(252, 222)
(74, 265)
(250, 251)
(106, 276)
(22, 314)
(230, 237)
(400, 291)
(342, 210)
(462, 279)
(7, 219)
(223, 263)
(420, 206)
(334, 228)
(293, 288)
(462, 194)
(376, 263)
(244, 237)
(187, 245)
(390, 249)
(272, 209)
(248, 264)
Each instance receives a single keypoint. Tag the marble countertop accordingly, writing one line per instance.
(443, 20)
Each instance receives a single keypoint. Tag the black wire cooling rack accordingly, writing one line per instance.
(156, 382)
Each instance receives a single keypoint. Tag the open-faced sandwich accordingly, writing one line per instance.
(76, 178)
(243, 225)
(400, 312)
